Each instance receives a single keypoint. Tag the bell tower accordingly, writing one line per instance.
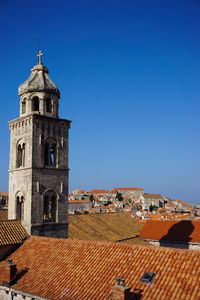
(38, 168)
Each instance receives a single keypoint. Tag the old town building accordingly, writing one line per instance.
(38, 170)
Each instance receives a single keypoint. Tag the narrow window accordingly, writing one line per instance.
(49, 210)
(48, 105)
(20, 208)
(35, 104)
(23, 107)
(19, 156)
(53, 208)
(23, 155)
(46, 209)
(50, 153)
(46, 154)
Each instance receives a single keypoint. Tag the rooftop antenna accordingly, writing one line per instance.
(38, 43)
(40, 54)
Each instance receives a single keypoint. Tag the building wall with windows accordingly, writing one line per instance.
(38, 169)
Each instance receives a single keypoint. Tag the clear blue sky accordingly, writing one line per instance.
(129, 76)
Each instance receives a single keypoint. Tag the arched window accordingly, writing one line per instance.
(23, 107)
(50, 207)
(50, 152)
(20, 155)
(48, 105)
(35, 104)
(20, 207)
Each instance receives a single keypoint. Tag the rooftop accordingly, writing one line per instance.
(108, 227)
(3, 215)
(75, 269)
(175, 231)
(12, 232)
(154, 196)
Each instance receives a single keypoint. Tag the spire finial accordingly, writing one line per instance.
(40, 54)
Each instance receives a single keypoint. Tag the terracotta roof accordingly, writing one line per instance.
(114, 190)
(107, 227)
(99, 192)
(168, 230)
(79, 201)
(3, 215)
(127, 189)
(3, 193)
(74, 269)
(154, 196)
(83, 192)
(12, 232)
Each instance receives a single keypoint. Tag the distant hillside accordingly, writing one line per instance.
(105, 227)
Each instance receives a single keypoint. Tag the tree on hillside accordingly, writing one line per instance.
(152, 207)
(92, 198)
(107, 203)
(119, 196)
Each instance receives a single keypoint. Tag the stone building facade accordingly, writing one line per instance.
(146, 200)
(3, 200)
(38, 169)
(77, 205)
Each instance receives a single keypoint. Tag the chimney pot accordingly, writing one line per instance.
(9, 273)
(122, 282)
(118, 281)
(120, 291)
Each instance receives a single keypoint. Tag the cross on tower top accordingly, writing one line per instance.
(40, 54)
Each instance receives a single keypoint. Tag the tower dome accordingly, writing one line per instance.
(39, 81)
(39, 94)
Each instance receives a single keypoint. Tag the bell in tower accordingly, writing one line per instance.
(38, 169)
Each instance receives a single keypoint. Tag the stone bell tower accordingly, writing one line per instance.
(38, 169)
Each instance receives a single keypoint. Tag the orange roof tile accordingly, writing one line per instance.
(175, 231)
(12, 232)
(79, 201)
(83, 192)
(184, 203)
(127, 189)
(153, 196)
(98, 192)
(74, 269)
(3, 193)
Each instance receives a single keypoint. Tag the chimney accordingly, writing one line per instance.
(120, 291)
(10, 273)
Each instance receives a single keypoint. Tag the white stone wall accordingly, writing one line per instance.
(20, 179)
(79, 206)
(34, 179)
(7, 293)
(190, 246)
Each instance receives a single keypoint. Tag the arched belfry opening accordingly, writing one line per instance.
(48, 105)
(20, 206)
(20, 154)
(49, 206)
(24, 106)
(50, 153)
(35, 104)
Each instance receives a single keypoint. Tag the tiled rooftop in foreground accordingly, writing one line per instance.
(12, 232)
(75, 269)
